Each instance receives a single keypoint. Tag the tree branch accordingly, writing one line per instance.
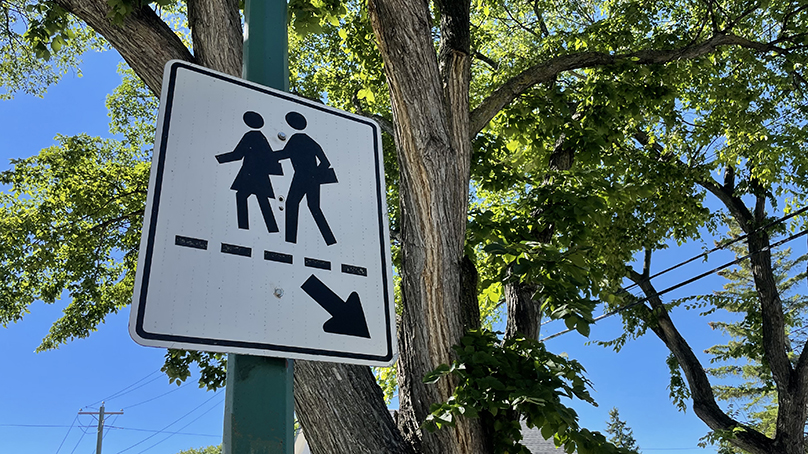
(724, 193)
(486, 59)
(704, 404)
(734, 204)
(385, 124)
(788, 16)
(137, 214)
(743, 15)
(646, 266)
(791, 385)
(713, 18)
(540, 17)
(519, 23)
(548, 70)
(143, 40)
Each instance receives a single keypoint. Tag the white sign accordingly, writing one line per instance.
(265, 230)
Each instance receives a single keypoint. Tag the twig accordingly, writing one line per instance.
(521, 25)
(742, 16)
(486, 59)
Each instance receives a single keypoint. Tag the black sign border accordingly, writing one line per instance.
(147, 262)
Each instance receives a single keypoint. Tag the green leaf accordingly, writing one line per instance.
(495, 248)
(435, 375)
(583, 328)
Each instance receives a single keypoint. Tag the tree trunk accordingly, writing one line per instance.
(704, 404)
(791, 382)
(434, 164)
(216, 32)
(524, 312)
(342, 410)
(791, 397)
(433, 132)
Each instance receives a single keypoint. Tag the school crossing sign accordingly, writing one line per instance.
(265, 229)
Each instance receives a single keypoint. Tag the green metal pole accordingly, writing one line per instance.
(266, 44)
(259, 402)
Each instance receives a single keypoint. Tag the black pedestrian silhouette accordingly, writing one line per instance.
(258, 163)
(305, 153)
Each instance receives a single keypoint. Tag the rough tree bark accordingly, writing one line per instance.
(434, 152)
(329, 402)
(216, 33)
(524, 314)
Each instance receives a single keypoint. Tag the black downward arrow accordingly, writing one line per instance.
(347, 317)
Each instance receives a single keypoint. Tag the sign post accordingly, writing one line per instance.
(259, 395)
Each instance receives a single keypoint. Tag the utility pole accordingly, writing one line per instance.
(101, 413)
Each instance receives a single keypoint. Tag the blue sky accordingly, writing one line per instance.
(42, 393)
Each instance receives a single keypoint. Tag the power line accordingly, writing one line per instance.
(38, 425)
(189, 423)
(156, 431)
(77, 443)
(120, 393)
(157, 397)
(135, 388)
(724, 245)
(127, 390)
(101, 413)
(175, 421)
(68, 433)
(683, 283)
(84, 428)
(107, 427)
(707, 253)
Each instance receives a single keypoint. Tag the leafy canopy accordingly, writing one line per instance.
(515, 380)
(39, 43)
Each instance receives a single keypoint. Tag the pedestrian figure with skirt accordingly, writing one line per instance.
(258, 162)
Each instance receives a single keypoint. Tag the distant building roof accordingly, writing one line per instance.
(533, 440)
(301, 447)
